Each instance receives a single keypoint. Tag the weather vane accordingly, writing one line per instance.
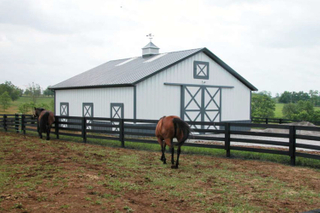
(150, 36)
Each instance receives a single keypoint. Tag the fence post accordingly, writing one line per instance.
(16, 122)
(227, 138)
(56, 126)
(267, 120)
(84, 128)
(292, 144)
(5, 122)
(23, 125)
(121, 132)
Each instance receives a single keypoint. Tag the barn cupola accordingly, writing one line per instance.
(150, 49)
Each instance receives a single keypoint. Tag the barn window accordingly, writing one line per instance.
(64, 111)
(200, 70)
(116, 112)
(87, 111)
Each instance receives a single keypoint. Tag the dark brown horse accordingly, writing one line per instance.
(170, 127)
(45, 121)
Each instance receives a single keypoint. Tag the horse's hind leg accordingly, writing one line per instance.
(172, 156)
(163, 149)
(178, 155)
(163, 157)
(39, 131)
(48, 132)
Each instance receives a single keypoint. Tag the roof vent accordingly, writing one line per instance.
(150, 49)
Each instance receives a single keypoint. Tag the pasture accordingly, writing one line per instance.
(14, 106)
(60, 176)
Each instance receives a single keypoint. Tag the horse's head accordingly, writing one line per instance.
(37, 112)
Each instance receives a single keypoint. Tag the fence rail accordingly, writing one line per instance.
(291, 141)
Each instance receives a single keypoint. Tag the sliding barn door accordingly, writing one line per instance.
(202, 104)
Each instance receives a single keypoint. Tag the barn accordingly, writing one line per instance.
(194, 84)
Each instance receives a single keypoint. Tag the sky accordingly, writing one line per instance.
(274, 44)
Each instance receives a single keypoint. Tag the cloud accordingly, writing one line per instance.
(264, 41)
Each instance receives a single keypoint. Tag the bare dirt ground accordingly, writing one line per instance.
(59, 176)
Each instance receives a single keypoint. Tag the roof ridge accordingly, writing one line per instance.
(184, 50)
(200, 48)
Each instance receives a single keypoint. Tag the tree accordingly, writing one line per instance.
(285, 97)
(13, 91)
(34, 91)
(314, 97)
(48, 92)
(289, 110)
(262, 105)
(5, 100)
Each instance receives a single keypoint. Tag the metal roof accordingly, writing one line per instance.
(130, 71)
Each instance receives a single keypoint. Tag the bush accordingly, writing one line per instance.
(25, 108)
(303, 110)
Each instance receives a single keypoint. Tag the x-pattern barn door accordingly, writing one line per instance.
(201, 103)
(88, 112)
(116, 112)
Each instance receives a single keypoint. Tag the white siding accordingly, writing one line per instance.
(100, 97)
(154, 99)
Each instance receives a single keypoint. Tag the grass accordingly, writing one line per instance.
(154, 147)
(278, 110)
(14, 107)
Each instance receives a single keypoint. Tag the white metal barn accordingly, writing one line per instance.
(193, 84)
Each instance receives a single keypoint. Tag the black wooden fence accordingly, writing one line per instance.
(278, 120)
(292, 141)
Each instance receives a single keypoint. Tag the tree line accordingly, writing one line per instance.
(294, 97)
(298, 105)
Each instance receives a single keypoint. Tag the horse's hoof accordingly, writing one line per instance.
(174, 167)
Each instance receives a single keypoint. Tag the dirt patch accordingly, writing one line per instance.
(59, 176)
(299, 132)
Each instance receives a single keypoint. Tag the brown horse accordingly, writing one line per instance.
(45, 121)
(170, 127)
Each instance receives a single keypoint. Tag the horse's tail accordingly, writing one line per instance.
(44, 121)
(180, 125)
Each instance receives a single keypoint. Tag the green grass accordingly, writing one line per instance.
(278, 111)
(14, 107)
